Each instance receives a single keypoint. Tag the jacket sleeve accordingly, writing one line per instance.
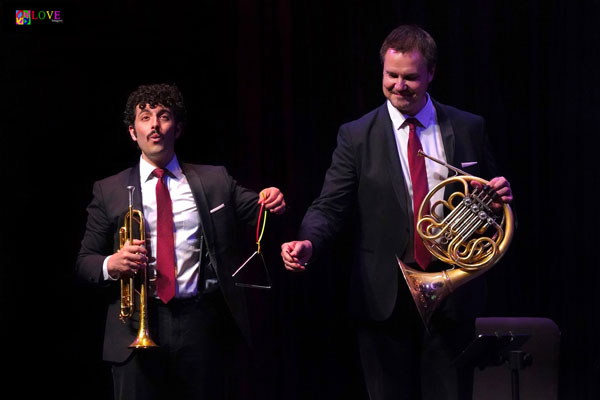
(97, 241)
(245, 201)
(325, 217)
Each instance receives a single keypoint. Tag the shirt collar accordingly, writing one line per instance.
(147, 169)
(426, 116)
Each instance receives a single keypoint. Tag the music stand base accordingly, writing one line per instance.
(517, 360)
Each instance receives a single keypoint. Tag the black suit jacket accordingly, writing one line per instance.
(212, 186)
(365, 178)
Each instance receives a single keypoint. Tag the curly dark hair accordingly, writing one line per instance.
(155, 94)
(407, 38)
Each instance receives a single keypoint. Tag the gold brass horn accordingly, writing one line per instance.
(126, 234)
(471, 238)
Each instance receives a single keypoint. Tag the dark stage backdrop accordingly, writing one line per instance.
(267, 84)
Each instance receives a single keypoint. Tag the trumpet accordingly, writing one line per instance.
(128, 291)
(471, 238)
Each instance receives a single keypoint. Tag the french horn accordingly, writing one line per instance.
(471, 238)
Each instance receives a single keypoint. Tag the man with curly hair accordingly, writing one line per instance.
(196, 312)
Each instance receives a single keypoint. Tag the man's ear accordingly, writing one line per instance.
(179, 130)
(132, 133)
(431, 73)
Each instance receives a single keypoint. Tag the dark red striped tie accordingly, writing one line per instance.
(165, 252)
(418, 177)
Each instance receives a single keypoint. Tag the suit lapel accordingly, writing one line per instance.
(449, 141)
(395, 168)
(384, 124)
(122, 201)
(200, 196)
(134, 180)
(447, 132)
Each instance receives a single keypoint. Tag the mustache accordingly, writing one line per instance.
(152, 132)
(406, 92)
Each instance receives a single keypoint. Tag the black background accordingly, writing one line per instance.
(267, 84)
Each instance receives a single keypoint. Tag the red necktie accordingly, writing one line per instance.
(418, 177)
(165, 252)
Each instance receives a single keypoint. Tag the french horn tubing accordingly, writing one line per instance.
(470, 237)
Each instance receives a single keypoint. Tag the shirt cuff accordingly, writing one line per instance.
(105, 273)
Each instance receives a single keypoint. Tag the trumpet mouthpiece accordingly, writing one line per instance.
(130, 189)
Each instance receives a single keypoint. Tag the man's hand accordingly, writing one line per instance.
(127, 260)
(273, 200)
(296, 254)
(502, 188)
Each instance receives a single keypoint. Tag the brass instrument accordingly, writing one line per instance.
(471, 238)
(128, 291)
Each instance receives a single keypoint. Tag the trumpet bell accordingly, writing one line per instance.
(143, 340)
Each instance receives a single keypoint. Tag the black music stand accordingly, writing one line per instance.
(493, 350)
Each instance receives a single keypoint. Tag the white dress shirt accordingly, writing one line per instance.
(186, 226)
(431, 140)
